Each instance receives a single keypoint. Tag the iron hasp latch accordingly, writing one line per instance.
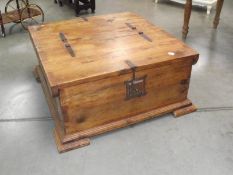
(136, 87)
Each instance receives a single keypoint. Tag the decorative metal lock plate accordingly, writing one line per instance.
(136, 87)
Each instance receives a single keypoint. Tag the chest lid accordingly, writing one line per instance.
(87, 49)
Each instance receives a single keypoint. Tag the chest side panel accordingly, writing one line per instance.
(104, 101)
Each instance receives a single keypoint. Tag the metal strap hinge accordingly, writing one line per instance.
(145, 36)
(142, 34)
(131, 26)
(66, 44)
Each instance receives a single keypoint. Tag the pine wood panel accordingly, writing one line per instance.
(96, 103)
(102, 44)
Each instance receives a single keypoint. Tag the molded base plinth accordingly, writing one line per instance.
(64, 147)
(184, 110)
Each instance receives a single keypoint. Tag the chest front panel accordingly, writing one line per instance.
(96, 103)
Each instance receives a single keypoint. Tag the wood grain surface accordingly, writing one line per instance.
(87, 90)
(98, 102)
(101, 45)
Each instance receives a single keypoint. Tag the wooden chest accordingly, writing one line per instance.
(106, 72)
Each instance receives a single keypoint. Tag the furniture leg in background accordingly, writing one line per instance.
(187, 14)
(85, 5)
(2, 25)
(92, 6)
(218, 12)
(77, 7)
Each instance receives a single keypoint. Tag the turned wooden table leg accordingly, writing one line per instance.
(218, 12)
(187, 14)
